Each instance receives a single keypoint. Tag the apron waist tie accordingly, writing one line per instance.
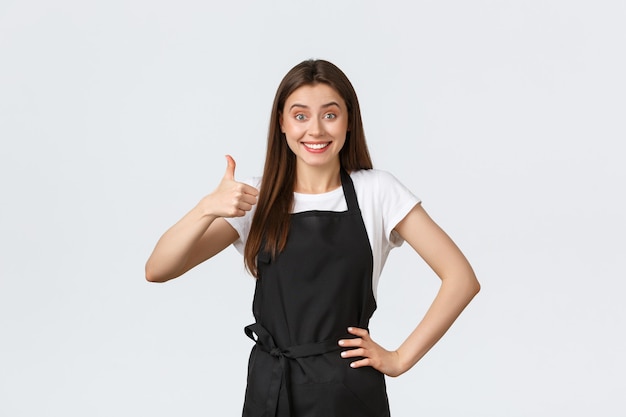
(280, 373)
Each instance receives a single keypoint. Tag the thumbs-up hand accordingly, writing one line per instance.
(231, 198)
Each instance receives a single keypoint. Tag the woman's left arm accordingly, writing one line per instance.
(458, 286)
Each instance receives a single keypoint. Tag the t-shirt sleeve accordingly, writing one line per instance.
(242, 224)
(396, 202)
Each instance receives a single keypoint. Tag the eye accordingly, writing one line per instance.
(300, 117)
(330, 116)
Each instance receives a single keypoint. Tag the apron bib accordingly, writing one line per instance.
(304, 301)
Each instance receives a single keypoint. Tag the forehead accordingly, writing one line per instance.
(315, 95)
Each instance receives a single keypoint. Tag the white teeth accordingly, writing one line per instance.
(316, 145)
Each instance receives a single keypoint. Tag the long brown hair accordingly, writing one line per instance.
(270, 224)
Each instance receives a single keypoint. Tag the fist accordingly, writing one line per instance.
(231, 198)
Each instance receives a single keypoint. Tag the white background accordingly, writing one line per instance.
(505, 117)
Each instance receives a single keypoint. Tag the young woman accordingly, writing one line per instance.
(315, 230)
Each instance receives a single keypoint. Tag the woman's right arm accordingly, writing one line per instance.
(203, 232)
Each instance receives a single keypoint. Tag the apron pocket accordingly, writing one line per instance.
(368, 386)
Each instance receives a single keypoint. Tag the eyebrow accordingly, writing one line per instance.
(324, 106)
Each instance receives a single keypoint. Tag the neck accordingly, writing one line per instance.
(317, 180)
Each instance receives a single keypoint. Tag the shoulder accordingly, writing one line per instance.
(381, 190)
(373, 177)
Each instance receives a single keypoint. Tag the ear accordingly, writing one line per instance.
(280, 122)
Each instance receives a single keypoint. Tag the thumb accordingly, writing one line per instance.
(230, 168)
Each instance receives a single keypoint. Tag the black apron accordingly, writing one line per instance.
(304, 301)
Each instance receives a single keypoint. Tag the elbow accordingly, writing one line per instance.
(467, 283)
(474, 286)
(153, 276)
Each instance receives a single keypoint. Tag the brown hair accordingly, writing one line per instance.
(270, 224)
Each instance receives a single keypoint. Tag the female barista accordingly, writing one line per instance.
(315, 230)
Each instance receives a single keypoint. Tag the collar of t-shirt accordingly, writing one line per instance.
(330, 201)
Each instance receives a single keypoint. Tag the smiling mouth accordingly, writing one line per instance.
(316, 146)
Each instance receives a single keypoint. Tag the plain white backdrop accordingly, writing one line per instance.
(505, 117)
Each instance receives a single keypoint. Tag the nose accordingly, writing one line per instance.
(316, 127)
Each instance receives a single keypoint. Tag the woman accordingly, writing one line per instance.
(315, 231)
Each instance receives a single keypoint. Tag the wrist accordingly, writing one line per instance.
(404, 362)
(204, 210)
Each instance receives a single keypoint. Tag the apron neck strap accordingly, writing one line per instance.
(348, 191)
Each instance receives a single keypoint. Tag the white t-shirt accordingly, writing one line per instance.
(383, 201)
